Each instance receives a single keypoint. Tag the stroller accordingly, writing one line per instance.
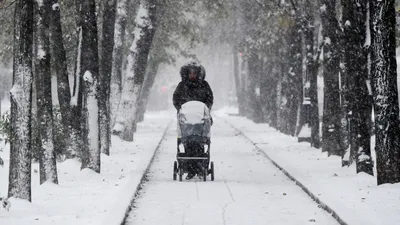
(194, 126)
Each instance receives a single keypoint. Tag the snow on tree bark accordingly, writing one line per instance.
(312, 71)
(255, 113)
(117, 57)
(89, 72)
(331, 123)
(303, 122)
(356, 71)
(294, 90)
(21, 103)
(47, 159)
(278, 98)
(76, 100)
(109, 8)
(384, 88)
(58, 52)
(136, 68)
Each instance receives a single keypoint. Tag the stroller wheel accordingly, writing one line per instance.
(180, 173)
(175, 169)
(205, 174)
(212, 171)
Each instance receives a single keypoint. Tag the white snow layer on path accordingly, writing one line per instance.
(84, 197)
(354, 197)
(247, 189)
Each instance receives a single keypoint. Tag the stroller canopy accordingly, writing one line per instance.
(195, 112)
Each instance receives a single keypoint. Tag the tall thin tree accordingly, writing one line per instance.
(117, 56)
(58, 53)
(331, 123)
(47, 159)
(89, 74)
(385, 90)
(107, 43)
(21, 103)
(356, 72)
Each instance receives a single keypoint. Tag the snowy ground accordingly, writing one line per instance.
(84, 197)
(356, 198)
(247, 189)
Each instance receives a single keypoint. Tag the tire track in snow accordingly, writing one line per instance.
(224, 210)
(288, 175)
(230, 192)
(227, 204)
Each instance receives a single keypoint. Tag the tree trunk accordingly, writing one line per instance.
(63, 88)
(77, 93)
(21, 103)
(105, 74)
(89, 73)
(254, 87)
(312, 73)
(331, 123)
(279, 117)
(384, 86)
(295, 81)
(346, 43)
(117, 57)
(314, 114)
(354, 18)
(313, 76)
(136, 64)
(239, 94)
(76, 100)
(47, 160)
(148, 83)
(272, 101)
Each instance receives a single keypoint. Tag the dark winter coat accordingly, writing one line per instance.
(198, 90)
(193, 91)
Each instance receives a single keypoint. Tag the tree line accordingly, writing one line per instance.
(282, 48)
(104, 56)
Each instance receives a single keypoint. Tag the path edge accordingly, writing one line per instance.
(320, 203)
(119, 217)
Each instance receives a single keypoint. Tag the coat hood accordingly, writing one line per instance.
(192, 65)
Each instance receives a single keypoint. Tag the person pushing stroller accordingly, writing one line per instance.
(193, 87)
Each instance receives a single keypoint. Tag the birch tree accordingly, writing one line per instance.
(47, 159)
(385, 90)
(136, 67)
(117, 57)
(21, 102)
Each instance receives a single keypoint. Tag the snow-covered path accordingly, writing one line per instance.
(247, 189)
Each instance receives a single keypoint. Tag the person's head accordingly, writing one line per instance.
(192, 72)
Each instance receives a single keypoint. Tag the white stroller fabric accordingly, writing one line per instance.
(193, 112)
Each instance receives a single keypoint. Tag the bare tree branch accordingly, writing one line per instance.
(6, 7)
